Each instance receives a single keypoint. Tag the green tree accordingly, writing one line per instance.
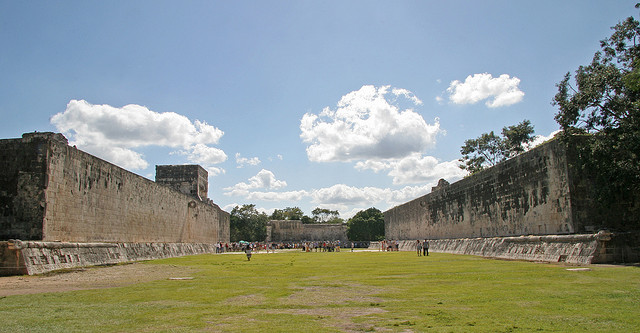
(323, 215)
(246, 223)
(602, 101)
(366, 225)
(307, 220)
(489, 149)
(289, 213)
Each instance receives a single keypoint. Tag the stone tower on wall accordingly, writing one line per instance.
(188, 179)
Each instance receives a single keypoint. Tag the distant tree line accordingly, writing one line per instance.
(249, 224)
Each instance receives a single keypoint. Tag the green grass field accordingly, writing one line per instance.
(345, 292)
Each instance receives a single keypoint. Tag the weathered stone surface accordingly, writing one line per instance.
(602, 247)
(35, 257)
(56, 194)
(542, 192)
(535, 193)
(295, 231)
(53, 192)
(191, 180)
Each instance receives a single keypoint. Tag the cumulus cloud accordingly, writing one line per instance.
(113, 133)
(242, 161)
(278, 196)
(499, 91)
(415, 168)
(214, 171)
(203, 154)
(263, 179)
(341, 195)
(540, 139)
(338, 196)
(366, 125)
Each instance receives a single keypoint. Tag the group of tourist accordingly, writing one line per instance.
(326, 246)
(422, 247)
(389, 245)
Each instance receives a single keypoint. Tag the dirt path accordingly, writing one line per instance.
(90, 278)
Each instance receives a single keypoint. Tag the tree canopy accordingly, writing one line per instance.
(246, 223)
(602, 100)
(366, 225)
(489, 149)
(323, 215)
(289, 213)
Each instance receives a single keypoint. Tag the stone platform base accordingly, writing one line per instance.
(603, 247)
(36, 257)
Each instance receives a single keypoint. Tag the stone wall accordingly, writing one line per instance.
(188, 179)
(293, 231)
(581, 249)
(50, 191)
(535, 193)
(37, 257)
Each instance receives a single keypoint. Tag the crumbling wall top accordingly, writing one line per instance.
(29, 137)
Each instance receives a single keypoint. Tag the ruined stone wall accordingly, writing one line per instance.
(37, 257)
(73, 196)
(188, 179)
(530, 194)
(23, 178)
(583, 249)
(293, 230)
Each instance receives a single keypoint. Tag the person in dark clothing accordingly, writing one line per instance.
(425, 248)
(247, 251)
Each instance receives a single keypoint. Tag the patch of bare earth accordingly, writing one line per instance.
(335, 305)
(90, 278)
(323, 298)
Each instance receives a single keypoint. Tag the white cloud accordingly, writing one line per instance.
(407, 94)
(213, 171)
(365, 126)
(540, 139)
(338, 196)
(420, 169)
(113, 133)
(415, 168)
(341, 195)
(242, 161)
(278, 196)
(124, 157)
(205, 155)
(263, 179)
(500, 91)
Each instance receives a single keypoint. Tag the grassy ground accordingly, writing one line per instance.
(345, 292)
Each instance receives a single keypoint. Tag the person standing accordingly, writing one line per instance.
(425, 248)
(247, 251)
(419, 247)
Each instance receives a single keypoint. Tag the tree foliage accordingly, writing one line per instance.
(247, 224)
(323, 215)
(489, 149)
(289, 213)
(602, 101)
(366, 225)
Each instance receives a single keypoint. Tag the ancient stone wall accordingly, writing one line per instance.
(536, 193)
(582, 249)
(293, 231)
(188, 179)
(36, 257)
(53, 192)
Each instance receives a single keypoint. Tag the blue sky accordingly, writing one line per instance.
(343, 105)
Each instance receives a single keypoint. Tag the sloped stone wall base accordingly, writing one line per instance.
(36, 257)
(584, 249)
